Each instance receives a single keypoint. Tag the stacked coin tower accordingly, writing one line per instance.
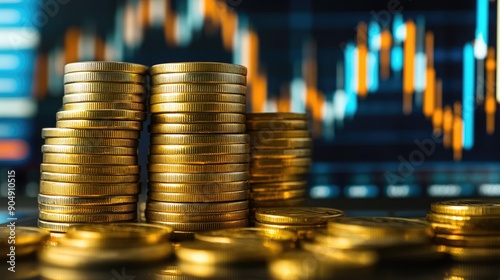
(468, 230)
(90, 171)
(280, 158)
(199, 152)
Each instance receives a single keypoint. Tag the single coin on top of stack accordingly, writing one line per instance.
(199, 152)
(281, 156)
(90, 171)
(302, 220)
(468, 230)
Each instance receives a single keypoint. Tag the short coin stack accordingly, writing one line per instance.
(199, 152)
(302, 220)
(468, 230)
(90, 171)
(281, 157)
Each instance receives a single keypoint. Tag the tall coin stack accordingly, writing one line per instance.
(280, 159)
(90, 171)
(199, 152)
(468, 230)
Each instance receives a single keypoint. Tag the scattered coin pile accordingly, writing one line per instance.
(199, 152)
(90, 171)
(468, 230)
(304, 221)
(281, 156)
(106, 244)
(370, 240)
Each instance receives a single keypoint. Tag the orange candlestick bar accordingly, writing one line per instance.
(490, 104)
(385, 54)
(457, 144)
(447, 126)
(409, 67)
(362, 60)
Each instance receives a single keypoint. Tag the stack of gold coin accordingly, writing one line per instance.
(90, 171)
(370, 240)
(106, 244)
(302, 220)
(199, 152)
(281, 157)
(468, 230)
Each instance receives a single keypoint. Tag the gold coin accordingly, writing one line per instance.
(277, 186)
(206, 187)
(197, 128)
(284, 238)
(92, 142)
(198, 88)
(88, 189)
(55, 226)
(277, 125)
(225, 253)
(145, 233)
(90, 169)
(465, 221)
(90, 258)
(85, 178)
(276, 116)
(198, 107)
(467, 207)
(23, 237)
(197, 118)
(90, 200)
(302, 231)
(199, 149)
(377, 226)
(197, 198)
(86, 218)
(117, 77)
(190, 139)
(203, 226)
(196, 217)
(471, 254)
(198, 78)
(467, 240)
(198, 67)
(88, 133)
(275, 178)
(281, 153)
(104, 87)
(263, 135)
(88, 209)
(377, 242)
(201, 168)
(197, 97)
(289, 194)
(278, 171)
(101, 115)
(105, 66)
(100, 124)
(285, 143)
(103, 97)
(175, 207)
(197, 177)
(280, 162)
(82, 106)
(199, 159)
(89, 159)
(296, 265)
(297, 215)
(89, 150)
(342, 256)
(441, 228)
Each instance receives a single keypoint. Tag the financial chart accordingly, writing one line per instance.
(401, 94)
